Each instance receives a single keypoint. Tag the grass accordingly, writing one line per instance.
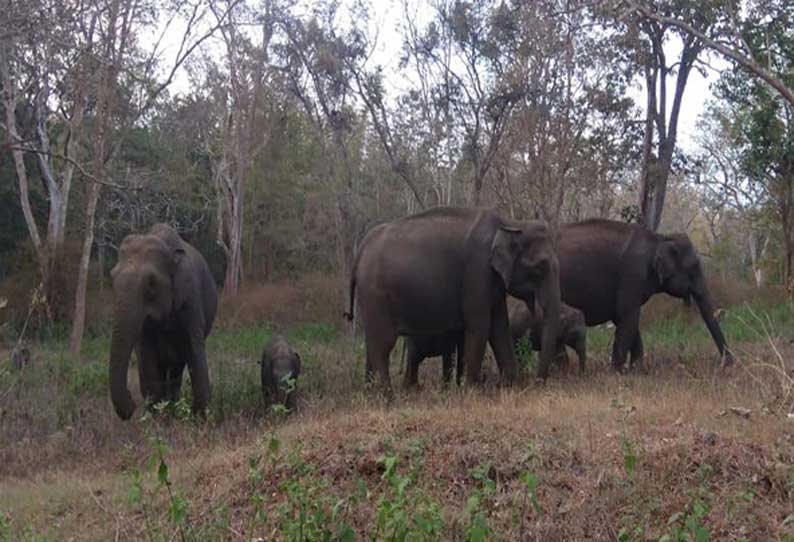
(603, 457)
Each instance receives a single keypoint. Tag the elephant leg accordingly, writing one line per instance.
(561, 357)
(502, 343)
(446, 366)
(637, 352)
(174, 381)
(473, 353)
(459, 358)
(151, 383)
(412, 360)
(379, 344)
(197, 365)
(625, 331)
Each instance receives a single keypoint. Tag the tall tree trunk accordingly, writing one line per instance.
(120, 17)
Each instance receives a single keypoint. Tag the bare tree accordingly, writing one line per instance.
(661, 127)
(44, 68)
(731, 44)
(238, 87)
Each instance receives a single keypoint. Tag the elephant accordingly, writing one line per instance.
(571, 331)
(418, 347)
(609, 269)
(279, 364)
(449, 270)
(165, 304)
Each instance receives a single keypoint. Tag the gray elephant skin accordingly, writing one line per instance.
(449, 270)
(165, 304)
(571, 331)
(609, 269)
(449, 346)
(280, 363)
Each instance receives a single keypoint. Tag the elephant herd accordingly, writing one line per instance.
(442, 279)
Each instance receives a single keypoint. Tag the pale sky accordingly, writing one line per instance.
(386, 16)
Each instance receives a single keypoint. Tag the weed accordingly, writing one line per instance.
(406, 515)
(688, 525)
(629, 449)
(525, 356)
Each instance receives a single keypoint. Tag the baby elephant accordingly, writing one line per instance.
(417, 348)
(571, 330)
(281, 366)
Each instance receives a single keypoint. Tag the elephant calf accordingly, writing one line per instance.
(419, 347)
(571, 330)
(281, 366)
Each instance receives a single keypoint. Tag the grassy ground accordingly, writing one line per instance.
(682, 453)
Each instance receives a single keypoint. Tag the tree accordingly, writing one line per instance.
(735, 43)
(45, 61)
(569, 140)
(649, 37)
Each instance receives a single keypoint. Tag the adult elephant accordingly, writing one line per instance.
(165, 305)
(609, 269)
(449, 269)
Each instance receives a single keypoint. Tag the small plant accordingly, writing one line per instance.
(145, 485)
(405, 515)
(525, 356)
(629, 534)
(629, 456)
(477, 529)
(688, 525)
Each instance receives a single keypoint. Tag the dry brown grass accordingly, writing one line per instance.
(312, 298)
(65, 459)
(678, 421)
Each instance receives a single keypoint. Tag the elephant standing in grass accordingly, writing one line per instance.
(449, 270)
(165, 303)
(571, 331)
(609, 269)
(281, 366)
(449, 346)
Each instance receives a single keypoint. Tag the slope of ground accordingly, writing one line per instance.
(682, 453)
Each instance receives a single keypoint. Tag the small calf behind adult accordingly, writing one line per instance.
(281, 366)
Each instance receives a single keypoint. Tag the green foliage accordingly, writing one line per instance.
(688, 525)
(315, 332)
(525, 356)
(406, 514)
(477, 528)
(629, 455)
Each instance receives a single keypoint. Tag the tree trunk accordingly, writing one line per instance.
(78, 323)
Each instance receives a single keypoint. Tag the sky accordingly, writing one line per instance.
(386, 16)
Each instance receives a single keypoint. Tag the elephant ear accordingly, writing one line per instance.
(503, 252)
(664, 263)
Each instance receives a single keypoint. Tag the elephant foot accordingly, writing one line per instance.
(727, 359)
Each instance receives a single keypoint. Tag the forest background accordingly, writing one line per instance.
(273, 133)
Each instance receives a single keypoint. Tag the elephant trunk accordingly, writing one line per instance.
(703, 300)
(126, 331)
(548, 297)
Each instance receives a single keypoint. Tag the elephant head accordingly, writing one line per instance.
(679, 274)
(143, 286)
(524, 257)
